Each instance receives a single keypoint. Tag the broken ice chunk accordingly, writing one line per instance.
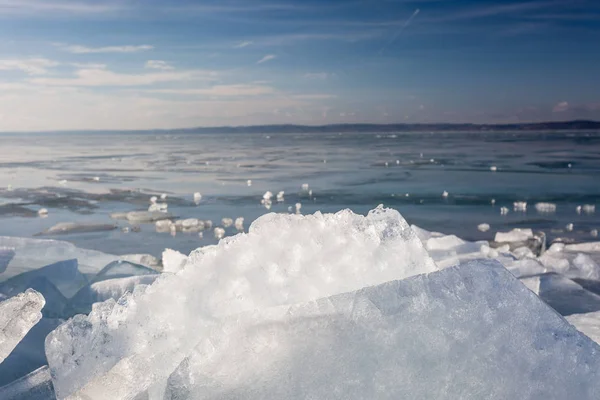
(17, 316)
(158, 207)
(588, 323)
(64, 228)
(589, 208)
(503, 210)
(410, 339)
(520, 206)
(227, 222)
(545, 207)
(173, 261)
(483, 227)
(219, 233)
(280, 197)
(148, 216)
(239, 223)
(197, 198)
(36, 385)
(516, 235)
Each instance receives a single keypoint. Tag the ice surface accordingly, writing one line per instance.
(6, 255)
(17, 315)
(283, 259)
(122, 269)
(64, 228)
(148, 216)
(146, 260)
(588, 323)
(468, 332)
(31, 254)
(35, 386)
(173, 261)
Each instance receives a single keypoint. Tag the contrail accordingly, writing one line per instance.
(402, 28)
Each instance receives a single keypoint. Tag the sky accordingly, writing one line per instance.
(150, 64)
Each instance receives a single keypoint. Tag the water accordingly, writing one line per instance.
(357, 171)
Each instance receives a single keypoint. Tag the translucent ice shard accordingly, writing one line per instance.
(17, 315)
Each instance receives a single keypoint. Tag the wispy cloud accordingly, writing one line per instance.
(88, 65)
(78, 49)
(103, 77)
(318, 75)
(561, 107)
(45, 6)
(222, 90)
(241, 45)
(494, 10)
(31, 66)
(266, 58)
(316, 96)
(159, 64)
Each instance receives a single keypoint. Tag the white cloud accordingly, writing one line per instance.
(317, 75)
(158, 64)
(45, 6)
(317, 96)
(266, 58)
(243, 44)
(103, 77)
(88, 65)
(78, 49)
(561, 107)
(31, 66)
(222, 90)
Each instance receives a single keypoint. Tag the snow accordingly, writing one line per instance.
(17, 316)
(283, 259)
(173, 261)
(454, 334)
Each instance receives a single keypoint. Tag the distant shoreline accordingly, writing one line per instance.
(577, 125)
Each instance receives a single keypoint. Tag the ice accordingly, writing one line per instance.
(468, 332)
(153, 199)
(563, 294)
(6, 255)
(305, 187)
(239, 223)
(219, 233)
(589, 208)
(591, 247)
(249, 182)
(573, 263)
(29, 354)
(37, 385)
(520, 206)
(31, 254)
(227, 222)
(449, 250)
(588, 323)
(445, 194)
(516, 235)
(157, 207)
(197, 198)
(122, 269)
(545, 207)
(173, 261)
(103, 290)
(163, 225)
(298, 208)
(63, 276)
(280, 196)
(483, 227)
(493, 168)
(17, 316)
(283, 259)
(74, 227)
(146, 260)
(569, 227)
(504, 210)
(148, 216)
(43, 212)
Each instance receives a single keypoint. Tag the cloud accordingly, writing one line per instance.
(561, 107)
(31, 66)
(45, 6)
(88, 65)
(158, 64)
(78, 49)
(222, 90)
(266, 58)
(494, 10)
(317, 96)
(243, 44)
(318, 75)
(103, 77)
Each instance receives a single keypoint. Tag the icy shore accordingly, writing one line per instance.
(317, 306)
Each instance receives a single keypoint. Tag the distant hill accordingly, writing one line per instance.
(538, 126)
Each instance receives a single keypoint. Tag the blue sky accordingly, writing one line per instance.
(138, 64)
